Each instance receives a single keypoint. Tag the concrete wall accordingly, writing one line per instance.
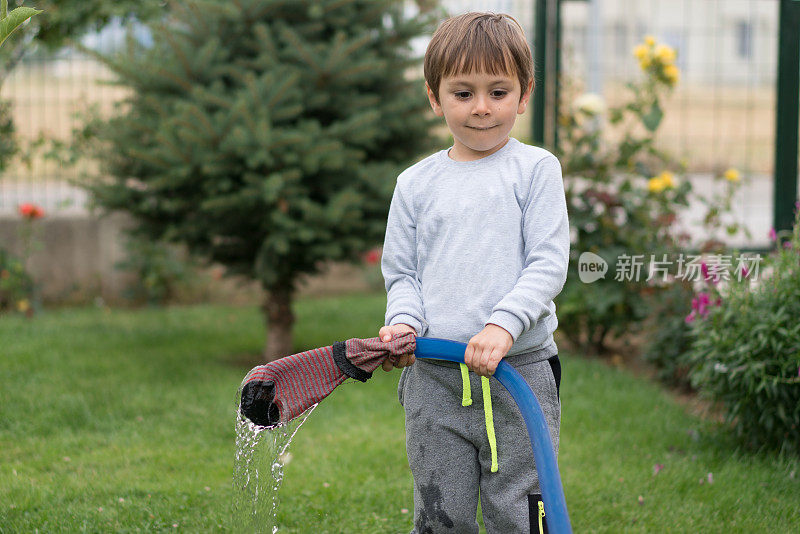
(75, 257)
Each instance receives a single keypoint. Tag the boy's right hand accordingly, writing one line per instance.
(387, 333)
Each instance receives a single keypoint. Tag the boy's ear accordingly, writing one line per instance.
(437, 108)
(523, 101)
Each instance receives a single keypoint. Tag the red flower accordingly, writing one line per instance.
(31, 211)
(373, 256)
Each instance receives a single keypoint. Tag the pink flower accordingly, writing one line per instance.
(787, 244)
(706, 276)
(700, 303)
(772, 234)
(745, 271)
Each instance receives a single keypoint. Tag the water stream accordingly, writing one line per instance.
(261, 454)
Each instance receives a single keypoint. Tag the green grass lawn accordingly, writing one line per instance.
(119, 420)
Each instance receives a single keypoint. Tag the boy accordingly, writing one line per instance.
(476, 249)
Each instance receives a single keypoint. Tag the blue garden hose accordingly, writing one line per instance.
(543, 453)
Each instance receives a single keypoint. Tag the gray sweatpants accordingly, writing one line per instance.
(449, 452)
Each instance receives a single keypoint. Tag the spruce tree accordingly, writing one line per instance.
(266, 135)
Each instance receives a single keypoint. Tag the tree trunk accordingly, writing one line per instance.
(279, 320)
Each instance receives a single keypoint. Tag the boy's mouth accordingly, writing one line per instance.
(487, 128)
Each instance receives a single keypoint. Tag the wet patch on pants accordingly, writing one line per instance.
(434, 505)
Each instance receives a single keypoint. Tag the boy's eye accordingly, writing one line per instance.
(466, 94)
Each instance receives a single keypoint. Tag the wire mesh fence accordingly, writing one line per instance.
(49, 94)
(721, 114)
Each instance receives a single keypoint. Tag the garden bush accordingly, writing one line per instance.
(669, 342)
(16, 285)
(18, 290)
(159, 270)
(623, 196)
(745, 352)
(669, 325)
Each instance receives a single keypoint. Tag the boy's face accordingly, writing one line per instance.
(480, 109)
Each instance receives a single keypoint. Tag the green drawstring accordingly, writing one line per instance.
(466, 400)
(487, 410)
(466, 391)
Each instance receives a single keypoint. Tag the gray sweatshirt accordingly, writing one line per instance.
(478, 242)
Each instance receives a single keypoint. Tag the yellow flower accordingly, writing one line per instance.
(645, 62)
(23, 305)
(667, 179)
(671, 73)
(650, 40)
(655, 185)
(641, 52)
(664, 54)
(661, 182)
(732, 175)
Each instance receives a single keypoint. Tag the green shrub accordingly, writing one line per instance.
(158, 268)
(745, 354)
(670, 339)
(16, 285)
(676, 308)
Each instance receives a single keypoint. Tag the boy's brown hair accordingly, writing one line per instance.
(478, 42)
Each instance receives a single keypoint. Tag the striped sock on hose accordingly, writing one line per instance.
(281, 390)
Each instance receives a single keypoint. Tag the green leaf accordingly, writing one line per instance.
(653, 117)
(14, 20)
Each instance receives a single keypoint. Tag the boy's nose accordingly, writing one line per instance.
(481, 106)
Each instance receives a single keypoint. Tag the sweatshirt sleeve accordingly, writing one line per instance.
(399, 266)
(545, 230)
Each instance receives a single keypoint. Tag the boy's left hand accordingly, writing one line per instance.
(487, 348)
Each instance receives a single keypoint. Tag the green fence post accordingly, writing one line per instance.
(547, 62)
(556, 72)
(540, 72)
(787, 112)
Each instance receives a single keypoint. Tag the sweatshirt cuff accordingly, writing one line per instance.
(409, 320)
(508, 321)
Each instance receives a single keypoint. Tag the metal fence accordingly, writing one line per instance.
(721, 114)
